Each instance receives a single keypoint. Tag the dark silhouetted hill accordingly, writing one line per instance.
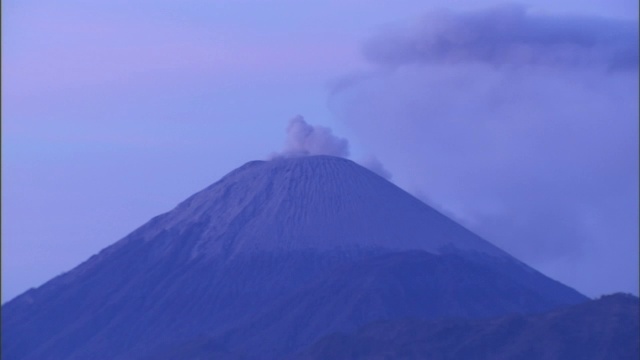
(607, 328)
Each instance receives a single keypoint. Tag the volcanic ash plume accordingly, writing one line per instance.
(304, 139)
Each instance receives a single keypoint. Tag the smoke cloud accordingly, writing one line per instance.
(484, 113)
(509, 36)
(372, 163)
(304, 139)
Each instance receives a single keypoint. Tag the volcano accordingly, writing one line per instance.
(269, 259)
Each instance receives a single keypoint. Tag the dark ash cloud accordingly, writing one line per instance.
(304, 139)
(509, 36)
(535, 154)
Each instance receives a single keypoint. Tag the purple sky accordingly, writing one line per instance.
(519, 122)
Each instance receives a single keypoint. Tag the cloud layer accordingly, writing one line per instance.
(537, 155)
(509, 36)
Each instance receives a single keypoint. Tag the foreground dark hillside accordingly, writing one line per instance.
(607, 328)
(410, 284)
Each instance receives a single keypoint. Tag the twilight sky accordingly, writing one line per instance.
(518, 120)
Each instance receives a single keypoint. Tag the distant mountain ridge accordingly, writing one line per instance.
(249, 258)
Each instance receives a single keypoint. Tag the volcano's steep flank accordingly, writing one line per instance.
(273, 256)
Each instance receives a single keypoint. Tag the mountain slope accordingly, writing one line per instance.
(233, 253)
(288, 203)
